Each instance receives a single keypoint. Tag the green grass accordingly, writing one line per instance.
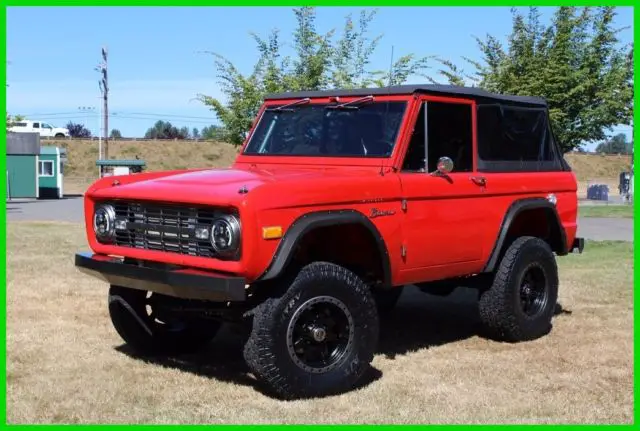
(612, 211)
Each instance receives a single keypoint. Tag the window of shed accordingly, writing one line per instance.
(45, 168)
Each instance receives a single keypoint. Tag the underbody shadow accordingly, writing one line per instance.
(222, 360)
(419, 321)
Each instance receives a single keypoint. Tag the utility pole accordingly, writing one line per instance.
(104, 89)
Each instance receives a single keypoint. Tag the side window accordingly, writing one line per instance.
(45, 168)
(515, 139)
(46, 126)
(36, 125)
(450, 135)
(415, 158)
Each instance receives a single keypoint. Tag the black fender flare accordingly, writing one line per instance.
(514, 209)
(307, 222)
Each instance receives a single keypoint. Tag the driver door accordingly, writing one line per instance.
(444, 213)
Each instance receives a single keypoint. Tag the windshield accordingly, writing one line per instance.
(328, 130)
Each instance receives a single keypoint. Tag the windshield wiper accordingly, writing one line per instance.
(285, 107)
(351, 105)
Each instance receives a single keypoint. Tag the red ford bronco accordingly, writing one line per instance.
(337, 200)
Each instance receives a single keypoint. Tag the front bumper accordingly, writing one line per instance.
(577, 246)
(180, 283)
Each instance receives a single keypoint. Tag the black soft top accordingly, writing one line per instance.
(435, 89)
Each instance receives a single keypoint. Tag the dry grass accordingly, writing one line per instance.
(165, 155)
(596, 167)
(66, 364)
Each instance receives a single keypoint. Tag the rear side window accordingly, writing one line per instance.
(512, 139)
(36, 125)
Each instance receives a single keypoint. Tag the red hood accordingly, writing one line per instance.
(282, 186)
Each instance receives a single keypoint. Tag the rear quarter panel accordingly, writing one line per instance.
(503, 189)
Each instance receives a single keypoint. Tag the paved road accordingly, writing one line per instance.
(606, 228)
(71, 210)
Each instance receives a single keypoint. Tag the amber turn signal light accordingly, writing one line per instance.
(272, 232)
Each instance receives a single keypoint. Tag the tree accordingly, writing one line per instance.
(195, 133)
(575, 62)
(319, 61)
(213, 133)
(184, 132)
(77, 130)
(165, 130)
(11, 120)
(115, 134)
(616, 145)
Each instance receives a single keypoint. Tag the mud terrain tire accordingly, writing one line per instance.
(128, 311)
(520, 303)
(327, 314)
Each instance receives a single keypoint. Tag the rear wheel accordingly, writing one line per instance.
(520, 303)
(150, 331)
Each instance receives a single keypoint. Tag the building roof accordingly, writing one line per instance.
(49, 150)
(435, 89)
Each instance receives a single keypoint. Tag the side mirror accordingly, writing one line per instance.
(445, 165)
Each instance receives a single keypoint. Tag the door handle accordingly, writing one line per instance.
(481, 181)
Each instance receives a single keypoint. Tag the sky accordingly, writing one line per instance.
(158, 62)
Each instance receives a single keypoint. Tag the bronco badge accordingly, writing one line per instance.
(375, 212)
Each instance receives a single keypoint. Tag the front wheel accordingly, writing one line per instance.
(144, 327)
(520, 303)
(318, 338)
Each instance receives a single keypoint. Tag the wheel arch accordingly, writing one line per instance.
(307, 223)
(518, 208)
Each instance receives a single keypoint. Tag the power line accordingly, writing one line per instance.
(78, 115)
(120, 113)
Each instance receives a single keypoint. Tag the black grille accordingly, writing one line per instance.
(163, 228)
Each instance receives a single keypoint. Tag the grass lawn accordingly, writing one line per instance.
(66, 364)
(613, 211)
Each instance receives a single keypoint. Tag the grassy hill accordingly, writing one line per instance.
(81, 169)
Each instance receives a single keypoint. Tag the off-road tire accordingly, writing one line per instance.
(501, 309)
(142, 333)
(267, 351)
(386, 299)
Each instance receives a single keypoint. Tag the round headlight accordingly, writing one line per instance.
(103, 222)
(225, 234)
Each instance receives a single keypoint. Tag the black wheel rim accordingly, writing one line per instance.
(319, 334)
(534, 292)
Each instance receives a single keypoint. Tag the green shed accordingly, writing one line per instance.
(23, 150)
(50, 172)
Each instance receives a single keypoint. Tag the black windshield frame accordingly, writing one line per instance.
(314, 130)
